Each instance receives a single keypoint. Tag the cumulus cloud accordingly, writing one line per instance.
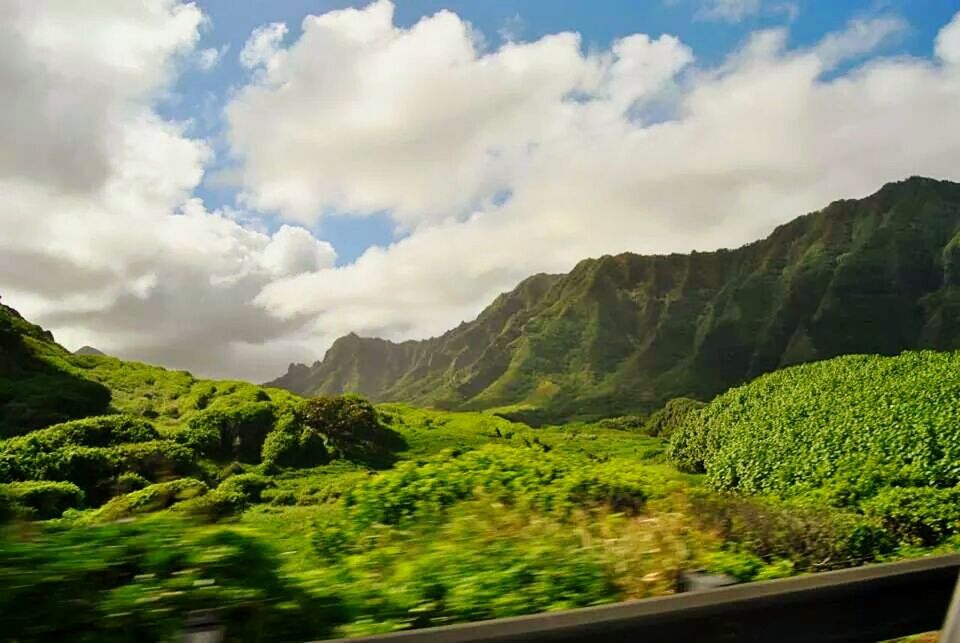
(628, 149)
(498, 162)
(947, 46)
(360, 116)
(293, 251)
(102, 239)
(263, 45)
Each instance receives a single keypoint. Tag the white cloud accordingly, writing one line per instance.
(263, 45)
(728, 10)
(361, 116)
(293, 251)
(948, 42)
(861, 37)
(209, 58)
(102, 240)
(499, 162)
(633, 150)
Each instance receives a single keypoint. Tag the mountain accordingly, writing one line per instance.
(42, 384)
(38, 384)
(628, 332)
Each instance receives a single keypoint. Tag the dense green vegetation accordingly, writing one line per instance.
(879, 435)
(132, 496)
(624, 334)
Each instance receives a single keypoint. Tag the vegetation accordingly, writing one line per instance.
(878, 435)
(132, 497)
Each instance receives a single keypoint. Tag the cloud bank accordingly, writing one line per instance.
(103, 240)
(496, 162)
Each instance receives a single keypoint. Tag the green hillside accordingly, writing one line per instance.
(626, 333)
(879, 435)
(39, 384)
(131, 496)
(298, 518)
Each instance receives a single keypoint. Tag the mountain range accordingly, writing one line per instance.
(625, 333)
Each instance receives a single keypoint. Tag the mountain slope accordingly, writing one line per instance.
(38, 384)
(627, 332)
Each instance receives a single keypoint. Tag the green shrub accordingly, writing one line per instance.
(543, 482)
(865, 432)
(741, 565)
(43, 499)
(201, 436)
(293, 443)
(88, 453)
(814, 537)
(623, 423)
(236, 432)
(917, 515)
(153, 498)
(481, 562)
(129, 482)
(101, 431)
(157, 460)
(140, 581)
(351, 429)
(35, 400)
(663, 422)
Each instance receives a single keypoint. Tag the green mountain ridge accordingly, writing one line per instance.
(625, 333)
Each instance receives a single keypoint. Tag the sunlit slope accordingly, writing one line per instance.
(628, 332)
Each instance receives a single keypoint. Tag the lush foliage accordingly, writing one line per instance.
(140, 580)
(879, 434)
(295, 518)
(665, 421)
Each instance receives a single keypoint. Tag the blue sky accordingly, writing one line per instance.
(199, 95)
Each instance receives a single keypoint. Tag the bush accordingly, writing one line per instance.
(35, 400)
(236, 432)
(674, 414)
(481, 562)
(129, 482)
(157, 460)
(31, 456)
(802, 427)
(43, 499)
(101, 431)
(543, 482)
(155, 497)
(875, 434)
(917, 515)
(352, 429)
(248, 486)
(623, 423)
(140, 581)
(294, 444)
(811, 535)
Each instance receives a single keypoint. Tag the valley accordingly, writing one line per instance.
(759, 419)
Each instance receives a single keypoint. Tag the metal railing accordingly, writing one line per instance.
(867, 604)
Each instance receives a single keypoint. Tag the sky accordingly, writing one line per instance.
(227, 186)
